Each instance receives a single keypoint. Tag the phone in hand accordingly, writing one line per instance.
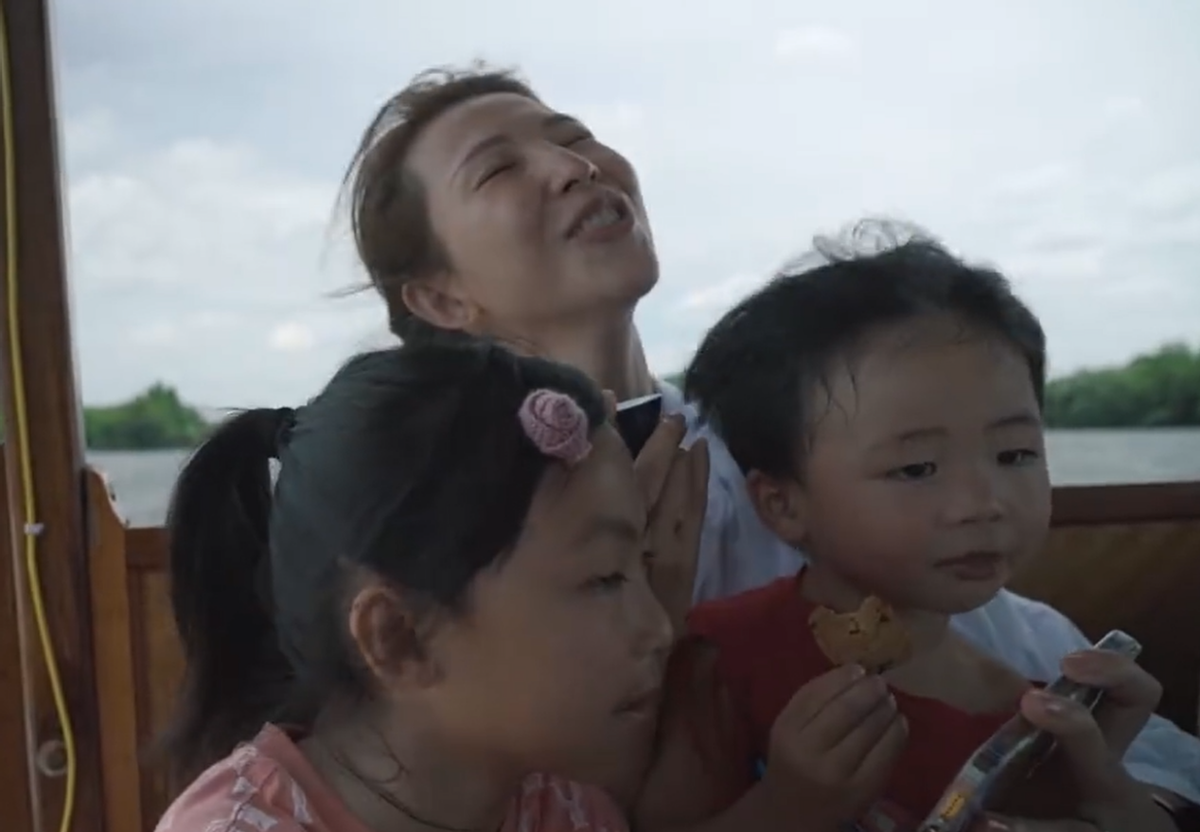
(637, 419)
(1013, 753)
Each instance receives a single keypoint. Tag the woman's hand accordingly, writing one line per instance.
(674, 484)
(1084, 787)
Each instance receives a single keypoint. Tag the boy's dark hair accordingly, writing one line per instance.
(388, 214)
(753, 374)
(411, 465)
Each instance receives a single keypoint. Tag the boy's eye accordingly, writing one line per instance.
(607, 583)
(1018, 456)
(915, 471)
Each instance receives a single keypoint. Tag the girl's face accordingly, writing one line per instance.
(557, 663)
(926, 480)
(542, 223)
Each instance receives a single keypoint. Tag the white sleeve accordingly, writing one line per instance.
(715, 540)
(1034, 637)
(737, 552)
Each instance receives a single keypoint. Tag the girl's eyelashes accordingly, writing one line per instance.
(913, 471)
(606, 583)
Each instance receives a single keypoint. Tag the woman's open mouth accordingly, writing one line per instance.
(605, 217)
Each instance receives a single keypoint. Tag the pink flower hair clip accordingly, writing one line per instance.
(556, 425)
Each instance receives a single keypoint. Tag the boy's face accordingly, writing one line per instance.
(926, 479)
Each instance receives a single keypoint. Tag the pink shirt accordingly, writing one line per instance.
(269, 786)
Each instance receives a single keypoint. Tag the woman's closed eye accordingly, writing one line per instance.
(578, 138)
(494, 170)
(913, 471)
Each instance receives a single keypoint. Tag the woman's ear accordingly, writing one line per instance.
(435, 301)
(781, 506)
(391, 639)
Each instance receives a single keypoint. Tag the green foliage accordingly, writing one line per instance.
(1161, 389)
(1158, 390)
(152, 420)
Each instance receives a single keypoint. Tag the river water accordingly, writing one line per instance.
(142, 480)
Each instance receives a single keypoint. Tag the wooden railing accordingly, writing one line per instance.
(1119, 556)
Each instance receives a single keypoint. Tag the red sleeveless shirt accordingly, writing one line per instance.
(766, 652)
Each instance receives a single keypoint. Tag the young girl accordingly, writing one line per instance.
(444, 594)
(886, 410)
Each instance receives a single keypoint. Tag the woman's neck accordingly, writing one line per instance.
(406, 781)
(610, 354)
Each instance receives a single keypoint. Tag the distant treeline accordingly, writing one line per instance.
(1161, 389)
(1158, 390)
(153, 420)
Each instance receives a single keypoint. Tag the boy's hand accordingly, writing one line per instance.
(834, 746)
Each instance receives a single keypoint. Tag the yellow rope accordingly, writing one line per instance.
(19, 436)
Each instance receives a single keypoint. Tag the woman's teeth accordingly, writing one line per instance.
(604, 216)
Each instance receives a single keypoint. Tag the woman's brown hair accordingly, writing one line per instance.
(386, 202)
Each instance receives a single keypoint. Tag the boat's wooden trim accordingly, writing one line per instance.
(55, 431)
(16, 730)
(1141, 544)
(117, 698)
(1101, 505)
(147, 548)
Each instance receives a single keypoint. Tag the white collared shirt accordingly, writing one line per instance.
(738, 552)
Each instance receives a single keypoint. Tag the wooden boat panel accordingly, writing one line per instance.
(15, 794)
(161, 669)
(1115, 558)
(1144, 579)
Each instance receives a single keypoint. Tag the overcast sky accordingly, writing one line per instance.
(205, 141)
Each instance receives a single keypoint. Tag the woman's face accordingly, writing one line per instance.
(543, 225)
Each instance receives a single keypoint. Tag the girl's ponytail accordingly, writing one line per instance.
(219, 556)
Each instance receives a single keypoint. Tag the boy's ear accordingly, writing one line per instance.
(780, 505)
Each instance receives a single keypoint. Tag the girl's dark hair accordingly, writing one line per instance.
(411, 466)
(754, 372)
(386, 202)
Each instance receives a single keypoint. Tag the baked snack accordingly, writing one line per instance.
(871, 636)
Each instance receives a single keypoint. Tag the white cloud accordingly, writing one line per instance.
(1120, 108)
(153, 334)
(1079, 264)
(821, 43)
(720, 296)
(1033, 183)
(292, 337)
(205, 140)
(1170, 191)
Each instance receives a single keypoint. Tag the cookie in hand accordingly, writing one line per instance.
(872, 636)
